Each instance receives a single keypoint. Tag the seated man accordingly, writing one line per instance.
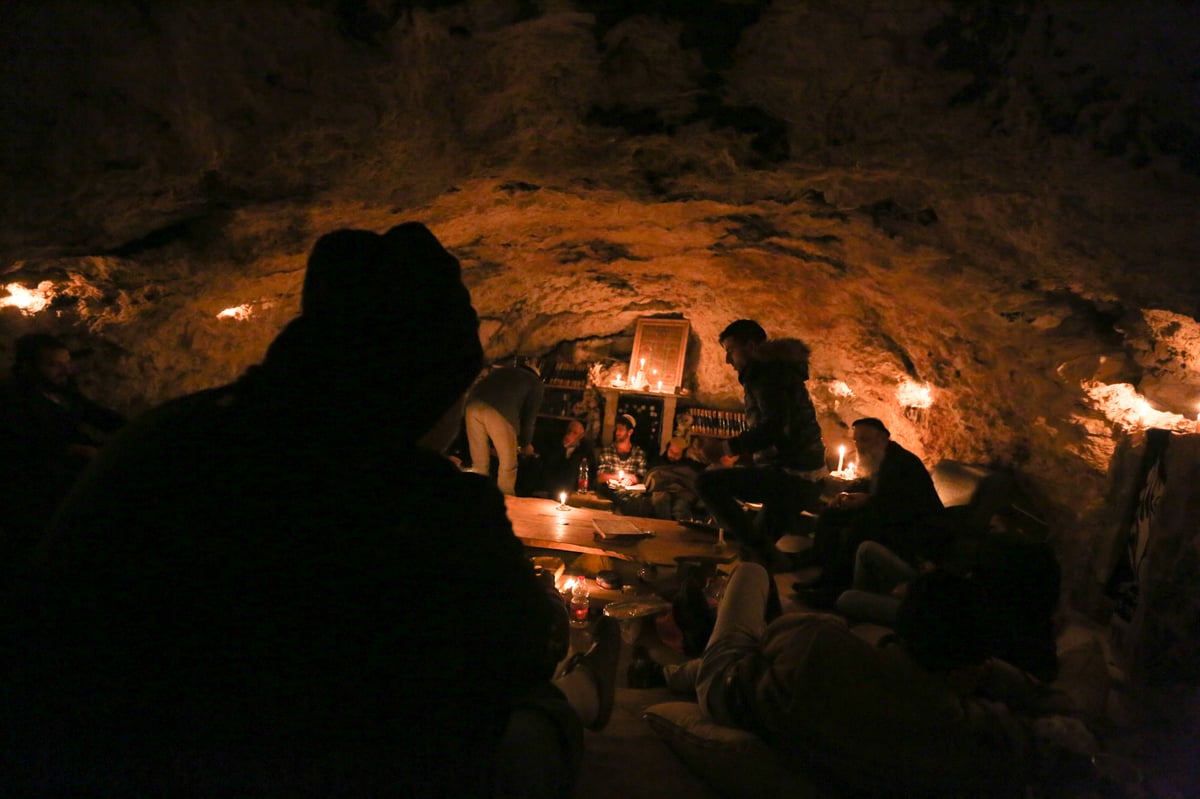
(901, 719)
(672, 482)
(621, 463)
(49, 431)
(560, 464)
(897, 506)
(248, 594)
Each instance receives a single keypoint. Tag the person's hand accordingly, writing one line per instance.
(629, 479)
(850, 501)
(900, 591)
(528, 450)
(728, 460)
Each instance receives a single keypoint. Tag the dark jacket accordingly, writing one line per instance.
(781, 422)
(516, 393)
(561, 471)
(903, 501)
(239, 600)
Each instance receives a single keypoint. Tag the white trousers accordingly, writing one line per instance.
(483, 423)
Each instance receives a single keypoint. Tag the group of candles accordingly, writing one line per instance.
(639, 380)
(845, 471)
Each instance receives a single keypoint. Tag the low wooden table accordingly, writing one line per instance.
(538, 523)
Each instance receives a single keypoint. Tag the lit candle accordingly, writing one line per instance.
(660, 386)
(618, 380)
(562, 497)
(850, 468)
(620, 475)
(841, 457)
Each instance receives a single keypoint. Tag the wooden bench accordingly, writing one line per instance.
(539, 523)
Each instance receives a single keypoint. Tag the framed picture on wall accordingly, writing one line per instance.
(659, 350)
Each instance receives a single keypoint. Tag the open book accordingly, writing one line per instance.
(617, 529)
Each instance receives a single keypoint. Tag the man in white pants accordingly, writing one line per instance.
(503, 407)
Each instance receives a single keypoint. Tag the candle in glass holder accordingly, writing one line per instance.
(841, 457)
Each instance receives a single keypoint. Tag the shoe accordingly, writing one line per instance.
(601, 662)
(644, 671)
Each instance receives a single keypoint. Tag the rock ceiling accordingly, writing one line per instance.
(998, 202)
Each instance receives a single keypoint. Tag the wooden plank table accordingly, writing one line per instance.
(538, 523)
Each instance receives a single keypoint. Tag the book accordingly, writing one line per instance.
(610, 529)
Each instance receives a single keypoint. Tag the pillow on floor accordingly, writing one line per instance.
(734, 762)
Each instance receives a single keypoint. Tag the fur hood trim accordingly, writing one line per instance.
(786, 350)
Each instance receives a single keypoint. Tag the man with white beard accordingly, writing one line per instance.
(893, 506)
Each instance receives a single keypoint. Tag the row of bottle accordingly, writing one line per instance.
(721, 424)
(566, 375)
(562, 403)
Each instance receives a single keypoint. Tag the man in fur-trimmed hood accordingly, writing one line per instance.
(781, 445)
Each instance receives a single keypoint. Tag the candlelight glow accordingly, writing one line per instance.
(239, 312)
(1123, 405)
(29, 301)
(841, 457)
(912, 394)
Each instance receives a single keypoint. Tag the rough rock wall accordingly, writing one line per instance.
(998, 202)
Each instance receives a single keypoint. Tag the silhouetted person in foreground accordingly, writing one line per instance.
(255, 591)
(49, 431)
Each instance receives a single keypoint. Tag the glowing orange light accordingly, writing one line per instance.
(29, 301)
(840, 389)
(239, 312)
(912, 394)
(1123, 405)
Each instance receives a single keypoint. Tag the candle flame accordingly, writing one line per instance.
(29, 301)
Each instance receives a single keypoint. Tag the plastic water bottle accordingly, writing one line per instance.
(580, 604)
(581, 482)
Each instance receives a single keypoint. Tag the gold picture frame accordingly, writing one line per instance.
(659, 351)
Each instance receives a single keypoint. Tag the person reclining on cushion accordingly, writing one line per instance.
(910, 717)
